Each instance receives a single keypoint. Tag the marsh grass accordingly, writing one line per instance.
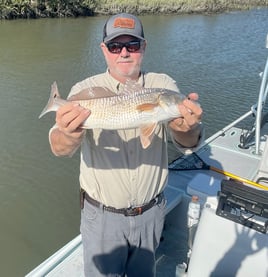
(12, 9)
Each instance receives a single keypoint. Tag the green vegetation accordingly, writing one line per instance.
(12, 9)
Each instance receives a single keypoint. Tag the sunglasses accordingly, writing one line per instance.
(116, 47)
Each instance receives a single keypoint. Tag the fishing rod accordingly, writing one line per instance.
(238, 178)
(196, 163)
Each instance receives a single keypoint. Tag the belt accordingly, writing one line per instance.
(132, 211)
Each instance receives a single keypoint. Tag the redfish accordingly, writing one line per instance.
(133, 107)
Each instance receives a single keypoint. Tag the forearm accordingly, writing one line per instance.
(189, 139)
(63, 145)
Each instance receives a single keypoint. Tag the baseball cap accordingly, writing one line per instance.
(122, 24)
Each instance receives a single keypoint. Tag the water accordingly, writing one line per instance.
(218, 56)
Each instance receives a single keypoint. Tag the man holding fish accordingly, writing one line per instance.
(123, 171)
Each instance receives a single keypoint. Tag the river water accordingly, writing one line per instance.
(218, 56)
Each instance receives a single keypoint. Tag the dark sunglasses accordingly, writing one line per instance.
(116, 47)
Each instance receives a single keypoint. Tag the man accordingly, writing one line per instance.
(122, 201)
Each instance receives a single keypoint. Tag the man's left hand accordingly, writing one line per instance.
(191, 114)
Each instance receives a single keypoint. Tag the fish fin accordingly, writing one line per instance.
(130, 87)
(147, 134)
(146, 107)
(92, 93)
(54, 94)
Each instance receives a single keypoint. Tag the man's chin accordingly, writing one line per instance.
(130, 74)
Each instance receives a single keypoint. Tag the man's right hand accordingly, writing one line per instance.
(67, 137)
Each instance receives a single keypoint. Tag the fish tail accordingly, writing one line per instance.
(51, 104)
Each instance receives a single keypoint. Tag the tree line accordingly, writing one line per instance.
(13, 9)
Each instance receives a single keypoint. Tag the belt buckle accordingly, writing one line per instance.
(133, 211)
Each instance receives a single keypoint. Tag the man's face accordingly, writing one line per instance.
(126, 64)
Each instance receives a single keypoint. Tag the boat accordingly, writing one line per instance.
(227, 177)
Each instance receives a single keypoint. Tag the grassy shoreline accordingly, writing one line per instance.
(177, 6)
(14, 9)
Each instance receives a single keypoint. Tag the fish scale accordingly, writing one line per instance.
(119, 112)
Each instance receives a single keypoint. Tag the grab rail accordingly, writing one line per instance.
(54, 260)
(261, 101)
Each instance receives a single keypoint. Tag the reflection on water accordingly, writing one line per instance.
(218, 56)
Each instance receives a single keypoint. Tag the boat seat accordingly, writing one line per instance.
(225, 248)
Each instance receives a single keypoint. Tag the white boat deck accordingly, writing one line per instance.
(232, 158)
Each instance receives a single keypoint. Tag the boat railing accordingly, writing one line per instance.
(261, 103)
(226, 128)
(53, 261)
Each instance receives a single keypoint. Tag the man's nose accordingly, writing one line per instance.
(124, 52)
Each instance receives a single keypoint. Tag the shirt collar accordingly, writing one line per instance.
(116, 85)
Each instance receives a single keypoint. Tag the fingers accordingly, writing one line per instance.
(191, 114)
(193, 106)
(190, 109)
(193, 96)
(70, 117)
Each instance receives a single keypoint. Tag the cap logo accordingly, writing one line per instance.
(127, 23)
